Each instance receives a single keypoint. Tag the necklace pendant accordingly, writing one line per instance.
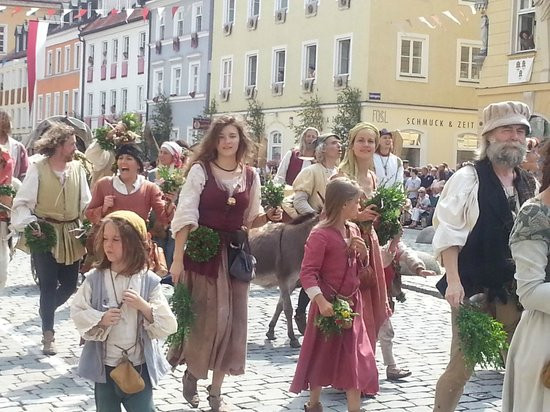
(231, 201)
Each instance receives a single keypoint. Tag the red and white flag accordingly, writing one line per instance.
(36, 41)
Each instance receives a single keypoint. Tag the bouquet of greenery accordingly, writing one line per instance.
(127, 130)
(272, 194)
(7, 190)
(202, 244)
(182, 306)
(171, 179)
(482, 338)
(40, 236)
(389, 201)
(342, 319)
(83, 232)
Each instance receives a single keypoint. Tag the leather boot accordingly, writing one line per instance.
(190, 389)
(216, 401)
(48, 341)
(313, 408)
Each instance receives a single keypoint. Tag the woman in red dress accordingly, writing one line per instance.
(334, 255)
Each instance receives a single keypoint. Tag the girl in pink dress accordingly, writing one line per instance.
(334, 255)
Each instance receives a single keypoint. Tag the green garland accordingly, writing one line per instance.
(107, 142)
(43, 242)
(182, 306)
(86, 229)
(202, 244)
(7, 190)
(342, 319)
(389, 202)
(172, 179)
(272, 194)
(482, 338)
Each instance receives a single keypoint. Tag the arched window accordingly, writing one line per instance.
(275, 146)
(411, 146)
(466, 146)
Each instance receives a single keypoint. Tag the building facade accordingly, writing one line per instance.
(59, 75)
(179, 53)
(412, 60)
(13, 92)
(517, 66)
(115, 67)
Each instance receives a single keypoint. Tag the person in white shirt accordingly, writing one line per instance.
(422, 205)
(412, 185)
(388, 167)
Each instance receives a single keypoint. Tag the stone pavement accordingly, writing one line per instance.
(30, 381)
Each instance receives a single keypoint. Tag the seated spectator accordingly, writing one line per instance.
(423, 204)
(412, 185)
(426, 179)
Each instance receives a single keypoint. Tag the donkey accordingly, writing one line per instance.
(279, 250)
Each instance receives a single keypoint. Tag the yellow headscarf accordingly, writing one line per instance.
(349, 164)
(133, 220)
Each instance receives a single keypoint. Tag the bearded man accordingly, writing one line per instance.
(473, 220)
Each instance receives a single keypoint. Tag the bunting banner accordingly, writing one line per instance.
(36, 41)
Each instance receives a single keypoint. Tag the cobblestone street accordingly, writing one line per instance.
(30, 381)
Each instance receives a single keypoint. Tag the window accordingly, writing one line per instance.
(254, 8)
(103, 101)
(175, 84)
(104, 47)
(3, 38)
(65, 103)
(229, 11)
(57, 61)
(281, 4)
(466, 146)
(159, 82)
(124, 106)
(178, 23)
(139, 104)
(279, 63)
(411, 146)
(161, 26)
(194, 75)
(90, 104)
(142, 43)
(251, 70)
(67, 60)
(275, 146)
(413, 56)
(49, 63)
(91, 53)
(310, 61)
(56, 98)
(196, 22)
(113, 101)
(76, 102)
(125, 47)
(227, 73)
(525, 25)
(77, 56)
(343, 57)
(115, 50)
(468, 68)
(40, 108)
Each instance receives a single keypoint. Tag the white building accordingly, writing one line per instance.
(115, 70)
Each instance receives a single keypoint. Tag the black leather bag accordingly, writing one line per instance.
(242, 265)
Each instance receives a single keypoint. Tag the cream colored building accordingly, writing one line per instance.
(518, 69)
(413, 61)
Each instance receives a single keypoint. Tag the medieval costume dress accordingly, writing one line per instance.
(291, 165)
(529, 352)
(344, 361)
(217, 340)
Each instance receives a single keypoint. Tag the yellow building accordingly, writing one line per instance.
(518, 67)
(412, 60)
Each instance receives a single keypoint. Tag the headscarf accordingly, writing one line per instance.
(175, 150)
(133, 219)
(349, 164)
(131, 150)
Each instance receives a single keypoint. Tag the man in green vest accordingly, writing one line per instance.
(55, 191)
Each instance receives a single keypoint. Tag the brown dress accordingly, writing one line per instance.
(218, 337)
